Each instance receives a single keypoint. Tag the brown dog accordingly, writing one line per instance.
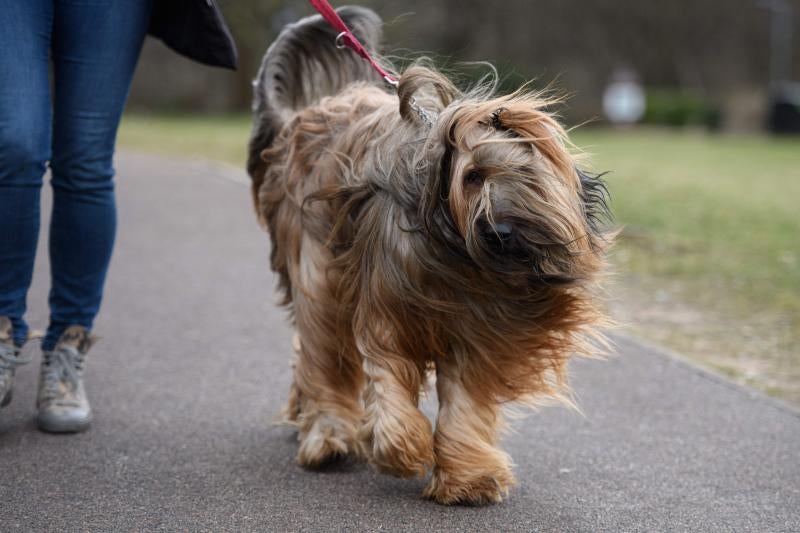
(427, 229)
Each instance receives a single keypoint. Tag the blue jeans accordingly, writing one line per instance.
(94, 46)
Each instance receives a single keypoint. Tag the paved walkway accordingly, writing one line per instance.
(194, 363)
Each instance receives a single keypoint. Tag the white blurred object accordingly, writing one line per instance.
(624, 99)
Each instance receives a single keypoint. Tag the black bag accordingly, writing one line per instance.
(195, 29)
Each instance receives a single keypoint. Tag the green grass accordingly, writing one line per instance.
(720, 213)
(222, 138)
(708, 260)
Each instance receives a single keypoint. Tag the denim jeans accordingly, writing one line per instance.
(94, 46)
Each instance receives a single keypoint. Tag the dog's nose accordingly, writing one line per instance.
(499, 236)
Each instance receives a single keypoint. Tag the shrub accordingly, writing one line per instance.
(677, 108)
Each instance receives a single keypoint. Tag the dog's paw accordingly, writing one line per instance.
(326, 441)
(483, 489)
(401, 448)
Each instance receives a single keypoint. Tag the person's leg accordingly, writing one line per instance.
(24, 147)
(96, 46)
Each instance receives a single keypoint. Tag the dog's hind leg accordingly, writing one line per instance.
(469, 469)
(325, 400)
(327, 410)
(291, 411)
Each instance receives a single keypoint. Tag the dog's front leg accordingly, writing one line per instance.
(397, 436)
(469, 467)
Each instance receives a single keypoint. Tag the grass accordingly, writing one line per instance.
(718, 212)
(222, 138)
(709, 258)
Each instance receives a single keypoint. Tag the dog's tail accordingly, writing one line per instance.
(300, 67)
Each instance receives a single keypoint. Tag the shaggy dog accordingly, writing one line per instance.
(418, 230)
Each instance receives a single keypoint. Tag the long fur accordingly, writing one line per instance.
(301, 67)
(473, 245)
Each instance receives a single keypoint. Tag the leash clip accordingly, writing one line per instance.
(339, 41)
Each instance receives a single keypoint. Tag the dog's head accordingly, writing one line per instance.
(503, 187)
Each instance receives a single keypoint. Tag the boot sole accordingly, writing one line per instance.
(57, 426)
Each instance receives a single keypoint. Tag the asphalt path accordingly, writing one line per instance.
(193, 366)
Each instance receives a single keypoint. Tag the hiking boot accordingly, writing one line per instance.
(62, 403)
(9, 360)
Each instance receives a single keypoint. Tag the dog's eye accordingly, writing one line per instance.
(473, 177)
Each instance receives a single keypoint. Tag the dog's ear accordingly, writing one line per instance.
(413, 83)
(595, 197)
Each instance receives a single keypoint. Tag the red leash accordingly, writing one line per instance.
(346, 37)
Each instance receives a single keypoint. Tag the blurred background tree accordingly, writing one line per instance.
(702, 61)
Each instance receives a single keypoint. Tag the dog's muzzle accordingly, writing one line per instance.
(499, 238)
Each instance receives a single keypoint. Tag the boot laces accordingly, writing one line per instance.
(10, 358)
(62, 365)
